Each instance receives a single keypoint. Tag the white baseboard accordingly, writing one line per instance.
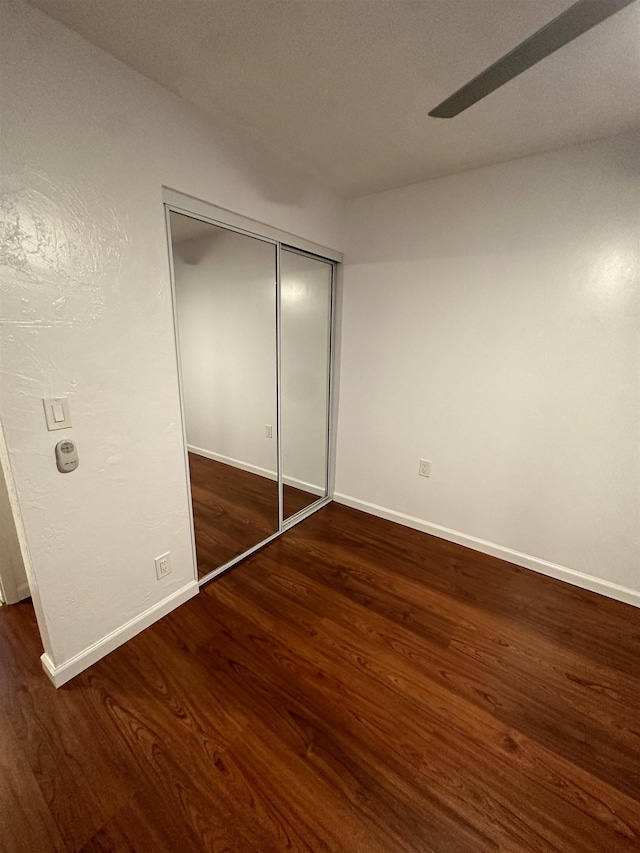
(306, 487)
(23, 590)
(611, 590)
(78, 663)
(255, 469)
(16, 594)
(235, 463)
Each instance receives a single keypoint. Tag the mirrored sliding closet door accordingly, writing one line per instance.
(225, 301)
(253, 330)
(305, 324)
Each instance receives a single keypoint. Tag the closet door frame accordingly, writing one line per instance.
(323, 501)
(175, 202)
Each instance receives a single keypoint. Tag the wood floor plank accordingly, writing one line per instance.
(233, 510)
(26, 822)
(179, 748)
(354, 687)
(604, 629)
(251, 761)
(564, 713)
(497, 652)
(61, 741)
(429, 727)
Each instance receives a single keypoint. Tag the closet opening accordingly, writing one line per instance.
(254, 320)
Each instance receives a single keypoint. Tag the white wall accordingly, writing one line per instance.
(305, 323)
(226, 306)
(491, 325)
(86, 146)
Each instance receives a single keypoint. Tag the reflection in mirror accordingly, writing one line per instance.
(225, 292)
(305, 324)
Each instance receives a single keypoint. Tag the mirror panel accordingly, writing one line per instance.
(305, 326)
(225, 294)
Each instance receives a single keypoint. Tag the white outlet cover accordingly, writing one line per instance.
(163, 566)
(424, 469)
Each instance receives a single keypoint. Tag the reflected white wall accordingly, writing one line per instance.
(305, 313)
(225, 298)
(226, 305)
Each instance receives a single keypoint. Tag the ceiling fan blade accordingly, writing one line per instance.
(574, 21)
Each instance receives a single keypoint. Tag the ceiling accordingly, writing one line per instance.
(342, 88)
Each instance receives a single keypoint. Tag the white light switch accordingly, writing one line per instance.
(56, 411)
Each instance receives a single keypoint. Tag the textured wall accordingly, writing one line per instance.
(86, 312)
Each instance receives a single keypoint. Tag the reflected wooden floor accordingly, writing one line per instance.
(233, 510)
(353, 687)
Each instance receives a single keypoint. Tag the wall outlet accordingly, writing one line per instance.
(163, 566)
(268, 431)
(425, 468)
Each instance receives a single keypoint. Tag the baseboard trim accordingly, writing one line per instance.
(255, 469)
(64, 672)
(23, 590)
(319, 491)
(235, 463)
(18, 593)
(563, 573)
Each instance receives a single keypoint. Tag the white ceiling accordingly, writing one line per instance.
(342, 88)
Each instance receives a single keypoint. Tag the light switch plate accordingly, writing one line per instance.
(56, 411)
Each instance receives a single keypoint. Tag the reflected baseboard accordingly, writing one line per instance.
(256, 469)
(235, 463)
(305, 487)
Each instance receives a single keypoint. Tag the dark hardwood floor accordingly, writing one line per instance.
(233, 510)
(353, 686)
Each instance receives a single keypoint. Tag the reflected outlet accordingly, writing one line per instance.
(425, 468)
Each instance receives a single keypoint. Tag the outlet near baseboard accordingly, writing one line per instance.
(163, 566)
